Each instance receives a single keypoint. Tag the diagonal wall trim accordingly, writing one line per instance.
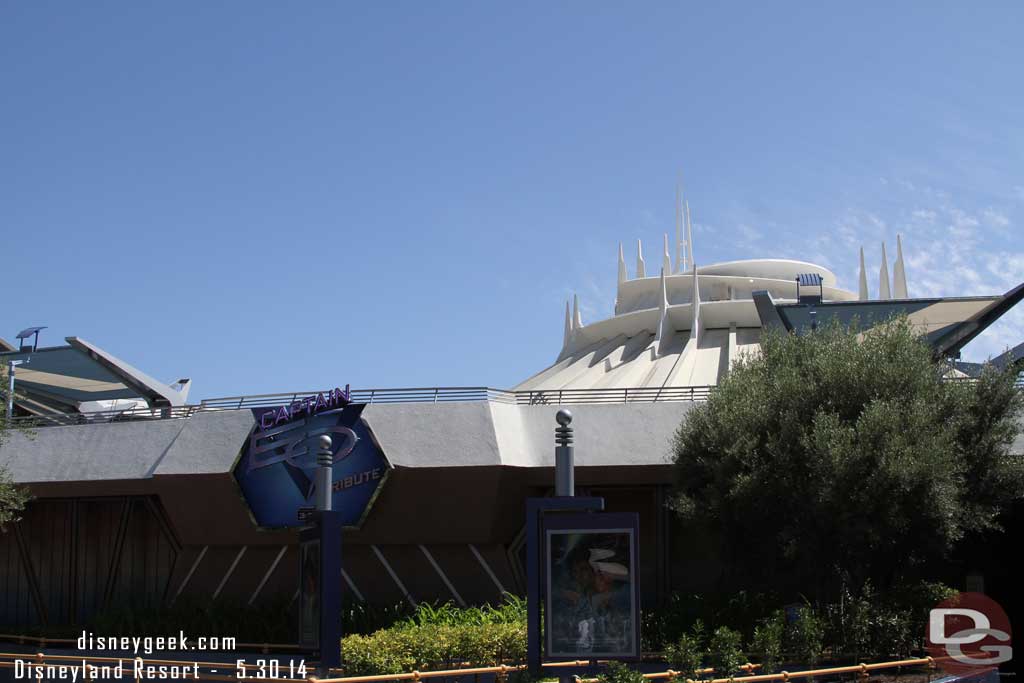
(487, 569)
(30, 575)
(437, 568)
(115, 558)
(231, 569)
(352, 585)
(263, 581)
(394, 576)
(184, 582)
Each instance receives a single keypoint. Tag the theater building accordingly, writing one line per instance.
(141, 495)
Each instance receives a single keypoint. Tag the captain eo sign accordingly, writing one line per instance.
(276, 471)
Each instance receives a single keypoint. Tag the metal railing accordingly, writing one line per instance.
(379, 396)
(369, 396)
(532, 397)
(206, 670)
(56, 419)
(623, 395)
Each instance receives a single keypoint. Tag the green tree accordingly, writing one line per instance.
(837, 457)
(12, 497)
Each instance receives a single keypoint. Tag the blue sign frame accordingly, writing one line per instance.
(276, 470)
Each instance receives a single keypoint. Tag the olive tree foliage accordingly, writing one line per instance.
(12, 497)
(844, 457)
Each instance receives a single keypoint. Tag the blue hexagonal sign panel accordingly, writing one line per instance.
(276, 471)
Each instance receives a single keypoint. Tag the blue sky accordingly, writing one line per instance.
(272, 196)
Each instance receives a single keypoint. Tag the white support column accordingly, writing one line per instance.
(863, 280)
(567, 334)
(663, 334)
(695, 305)
(689, 238)
(883, 277)
(680, 259)
(733, 351)
(899, 274)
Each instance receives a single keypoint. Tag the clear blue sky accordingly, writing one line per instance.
(270, 196)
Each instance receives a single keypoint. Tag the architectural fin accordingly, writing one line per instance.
(695, 306)
(623, 276)
(661, 337)
(899, 275)
(883, 278)
(640, 270)
(567, 335)
(689, 239)
(666, 265)
(680, 259)
(863, 290)
(577, 319)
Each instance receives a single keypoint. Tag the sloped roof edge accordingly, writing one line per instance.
(157, 393)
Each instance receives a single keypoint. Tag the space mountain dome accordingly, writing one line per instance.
(684, 325)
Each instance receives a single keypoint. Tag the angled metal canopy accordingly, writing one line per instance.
(155, 392)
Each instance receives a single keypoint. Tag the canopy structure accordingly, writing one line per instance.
(685, 326)
(83, 378)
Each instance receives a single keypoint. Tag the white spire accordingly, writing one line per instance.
(883, 277)
(663, 333)
(640, 271)
(567, 336)
(623, 276)
(666, 265)
(689, 238)
(695, 305)
(899, 275)
(577, 319)
(863, 278)
(680, 259)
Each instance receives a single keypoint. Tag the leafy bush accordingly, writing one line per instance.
(843, 452)
(686, 655)
(441, 636)
(617, 672)
(766, 644)
(867, 625)
(511, 610)
(803, 637)
(362, 617)
(726, 651)
(409, 647)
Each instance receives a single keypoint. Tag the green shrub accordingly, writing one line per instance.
(726, 651)
(663, 625)
(868, 625)
(686, 654)
(766, 644)
(362, 617)
(617, 672)
(409, 647)
(804, 636)
(511, 610)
